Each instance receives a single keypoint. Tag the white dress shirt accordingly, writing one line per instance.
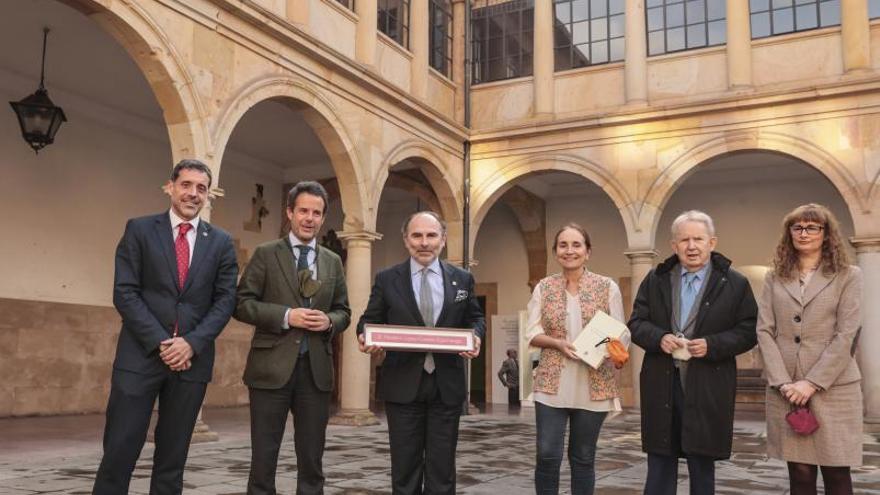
(190, 236)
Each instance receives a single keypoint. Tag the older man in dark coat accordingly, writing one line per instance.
(693, 314)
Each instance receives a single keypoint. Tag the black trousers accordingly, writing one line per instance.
(423, 435)
(269, 408)
(132, 397)
(513, 396)
(663, 469)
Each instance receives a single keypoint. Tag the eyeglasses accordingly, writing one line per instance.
(809, 229)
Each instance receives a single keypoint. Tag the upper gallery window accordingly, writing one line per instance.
(502, 39)
(772, 17)
(394, 20)
(873, 9)
(676, 25)
(349, 4)
(440, 21)
(588, 32)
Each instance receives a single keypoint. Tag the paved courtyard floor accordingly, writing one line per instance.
(495, 456)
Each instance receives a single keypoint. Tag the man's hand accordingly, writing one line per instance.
(566, 348)
(669, 343)
(313, 320)
(176, 353)
(799, 392)
(475, 352)
(698, 347)
(372, 349)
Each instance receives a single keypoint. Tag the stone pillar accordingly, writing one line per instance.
(365, 46)
(640, 263)
(739, 45)
(419, 45)
(354, 385)
(868, 253)
(856, 34)
(635, 67)
(543, 58)
(459, 54)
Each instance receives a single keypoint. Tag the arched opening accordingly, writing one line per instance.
(513, 252)
(68, 205)
(747, 193)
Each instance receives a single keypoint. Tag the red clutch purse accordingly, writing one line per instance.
(802, 420)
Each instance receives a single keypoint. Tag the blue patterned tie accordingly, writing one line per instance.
(688, 294)
(302, 263)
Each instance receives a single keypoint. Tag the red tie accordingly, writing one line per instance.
(181, 247)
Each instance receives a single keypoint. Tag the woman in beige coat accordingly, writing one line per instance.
(808, 323)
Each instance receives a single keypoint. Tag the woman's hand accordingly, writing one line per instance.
(799, 392)
(567, 348)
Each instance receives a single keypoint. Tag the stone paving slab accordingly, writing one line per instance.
(495, 456)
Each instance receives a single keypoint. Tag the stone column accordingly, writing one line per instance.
(856, 34)
(640, 263)
(868, 253)
(739, 45)
(543, 58)
(419, 45)
(459, 51)
(635, 67)
(365, 46)
(354, 385)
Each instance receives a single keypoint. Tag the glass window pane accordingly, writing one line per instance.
(655, 19)
(696, 11)
(599, 52)
(563, 12)
(807, 17)
(656, 43)
(675, 39)
(598, 8)
(873, 8)
(696, 36)
(829, 13)
(617, 49)
(758, 5)
(783, 21)
(654, 3)
(580, 10)
(581, 56)
(580, 32)
(562, 58)
(760, 25)
(778, 4)
(717, 32)
(617, 26)
(619, 6)
(716, 9)
(598, 29)
(675, 15)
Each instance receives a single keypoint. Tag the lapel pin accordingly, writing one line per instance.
(454, 282)
(204, 234)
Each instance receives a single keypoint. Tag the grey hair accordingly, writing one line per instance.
(434, 215)
(694, 216)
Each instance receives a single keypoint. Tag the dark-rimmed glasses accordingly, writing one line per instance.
(809, 229)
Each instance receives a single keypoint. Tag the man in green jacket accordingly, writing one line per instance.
(293, 292)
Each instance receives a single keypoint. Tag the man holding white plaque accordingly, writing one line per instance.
(423, 391)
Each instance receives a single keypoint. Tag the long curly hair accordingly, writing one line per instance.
(834, 255)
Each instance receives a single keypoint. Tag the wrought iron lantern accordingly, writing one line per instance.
(38, 117)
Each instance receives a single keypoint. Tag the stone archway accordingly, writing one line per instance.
(322, 116)
(163, 67)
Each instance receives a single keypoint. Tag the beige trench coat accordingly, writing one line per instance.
(812, 337)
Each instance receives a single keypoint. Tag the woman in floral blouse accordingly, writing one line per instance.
(567, 390)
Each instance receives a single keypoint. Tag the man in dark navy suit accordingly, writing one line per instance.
(423, 392)
(175, 290)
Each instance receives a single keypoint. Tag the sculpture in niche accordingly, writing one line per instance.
(258, 212)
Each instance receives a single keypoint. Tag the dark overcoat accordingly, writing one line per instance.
(726, 318)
